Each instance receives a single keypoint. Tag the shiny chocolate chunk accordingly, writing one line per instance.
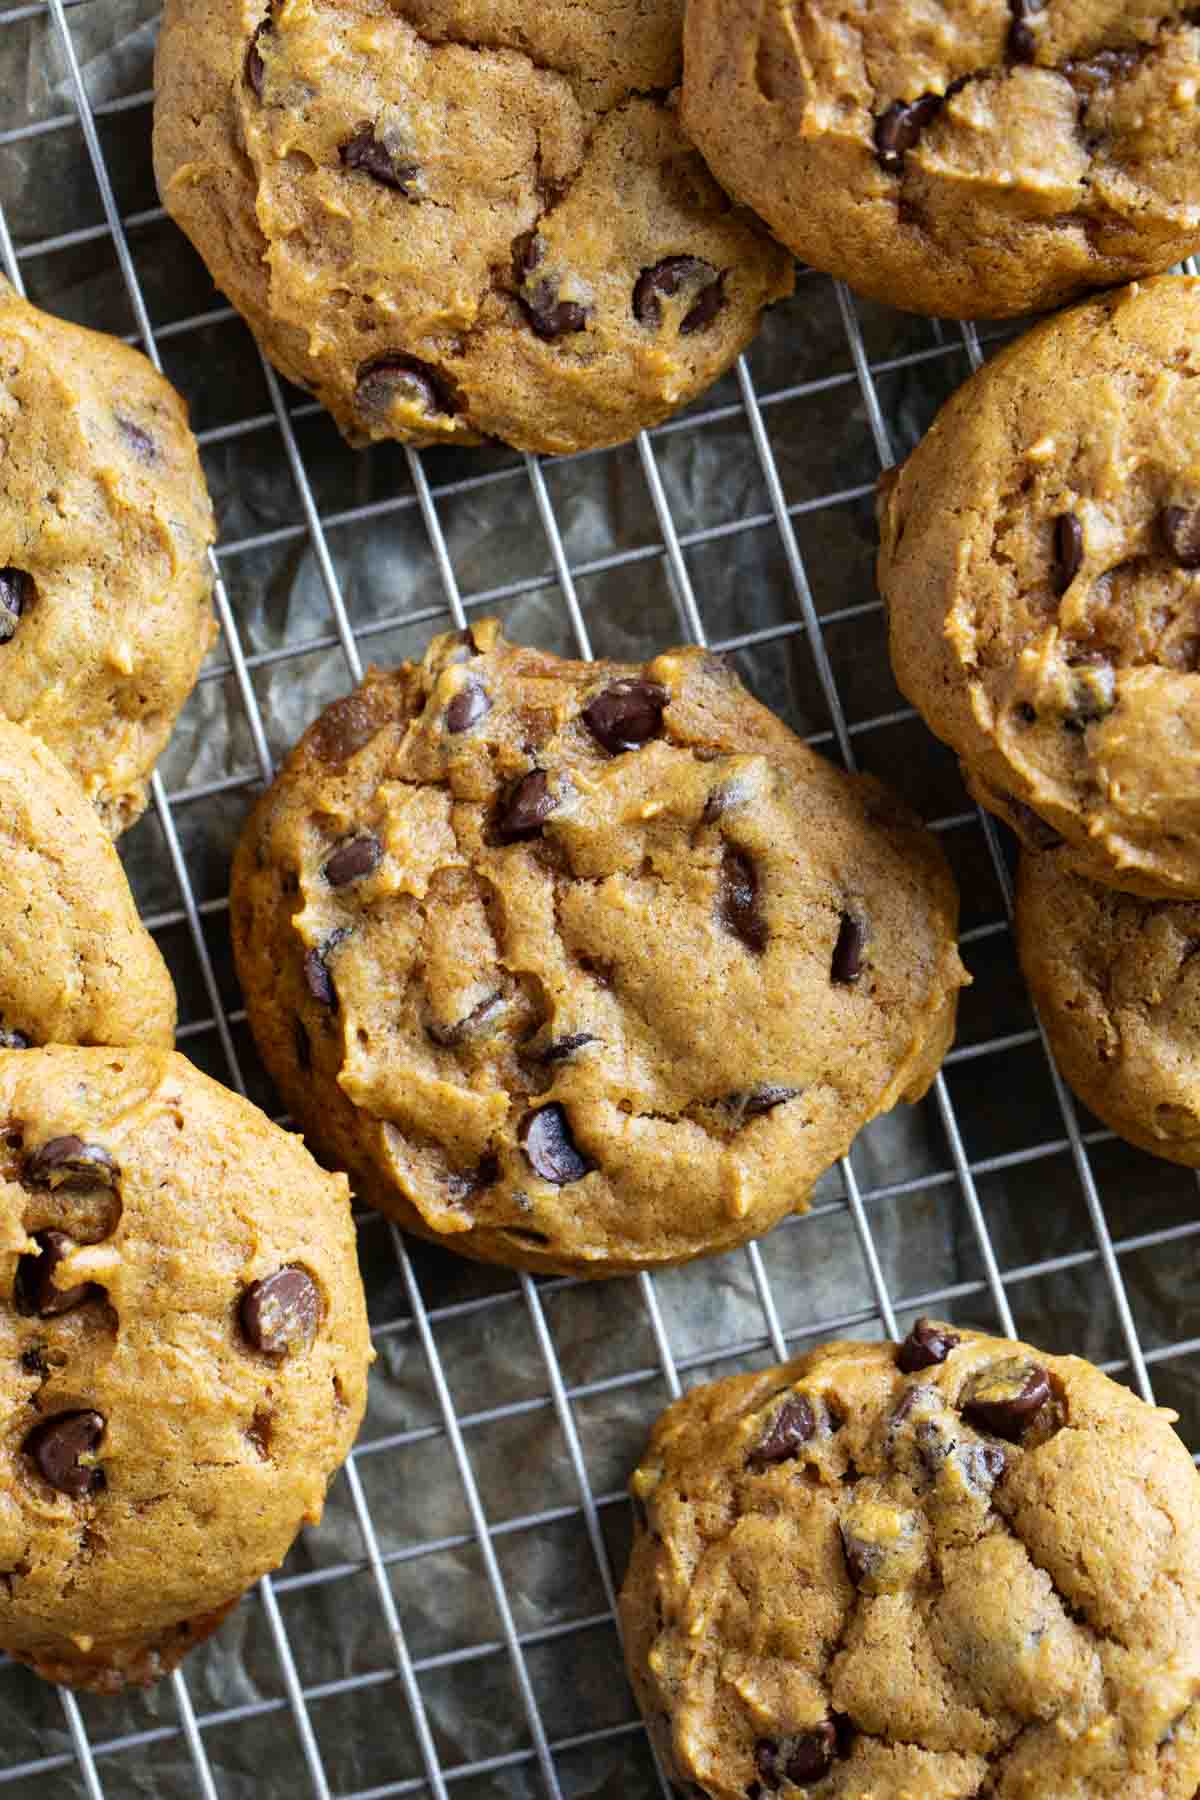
(370, 155)
(1006, 1398)
(790, 1429)
(60, 1448)
(525, 808)
(898, 129)
(551, 1149)
(280, 1313)
(69, 1162)
(847, 964)
(626, 715)
(925, 1346)
(350, 862)
(738, 900)
(34, 1292)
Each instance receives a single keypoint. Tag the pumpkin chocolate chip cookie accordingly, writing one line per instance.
(460, 219)
(968, 161)
(585, 966)
(78, 966)
(183, 1356)
(105, 523)
(1040, 560)
(951, 1568)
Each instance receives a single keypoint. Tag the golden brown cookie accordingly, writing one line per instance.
(943, 1570)
(105, 523)
(585, 966)
(1117, 982)
(79, 967)
(1040, 561)
(967, 161)
(460, 219)
(183, 1356)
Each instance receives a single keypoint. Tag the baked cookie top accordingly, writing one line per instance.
(1117, 981)
(964, 160)
(105, 523)
(950, 1568)
(79, 967)
(585, 966)
(460, 219)
(183, 1355)
(1039, 561)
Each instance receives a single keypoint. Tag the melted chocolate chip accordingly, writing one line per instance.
(1022, 36)
(925, 1346)
(367, 154)
(392, 377)
(898, 129)
(792, 1427)
(33, 1361)
(14, 1040)
(34, 1292)
(1004, 1400)
(737, 900)
(471, 703)
(626, 715)
(317, 974)
(549, 316)
(807, 1756)
(57, 1448)
(847, 964)
(139, 441)
(303, 1044)
(752, 1103)
(473, 1025)
(484, 1175)
(1068, 551)
(665, 280)
(255, 71)
(561, 1048)
(16, 596)
(552, 1151)
(69, 1162)
(347, 726)
(350, 862)
(1180, 527)
(525, 808)
(281, 1313)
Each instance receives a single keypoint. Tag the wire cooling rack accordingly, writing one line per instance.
(402, 1652)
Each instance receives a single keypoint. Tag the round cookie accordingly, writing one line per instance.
(79, 967)
(460, 219)
(580, 966)
(965, 161)
(183, 1356)
(1040, 560)
(948, 1569)
(1117, 982)
(105, 523)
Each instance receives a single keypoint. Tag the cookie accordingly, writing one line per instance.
(1039, 559)
(583, 966)
(79, 967)
(1117, 982)
(453, 220)
(946, 1569)
(962, 161)
(105, 523)
(183, 1356)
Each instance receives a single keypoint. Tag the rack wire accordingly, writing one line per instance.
(545, 1750)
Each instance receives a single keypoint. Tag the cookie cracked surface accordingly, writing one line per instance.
(965, 1569)
(963, 160)
(585, 966)
(183, 1356)
(1042, 585)
(460, 219)
(105, 523)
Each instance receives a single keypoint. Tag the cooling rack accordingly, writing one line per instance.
(450, 1627)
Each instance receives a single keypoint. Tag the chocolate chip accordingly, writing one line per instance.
(370, 156)
(925, 1346)
(473, 1025)
(752, 1103)
(34, 1292)
(469, 705)
(281, 1312)
(737, 900)
(57, 1447)
(348, 726)
(14, 1040)
(525, 808)
(255, 71)
(33, 1361)
(982, 1464)
(549, 316)
(665, 279)
(1093, 691)
(387, 378)
(847, 963)
(1004, 1400)
(139, 441)
(303, 1044)
(1022, 37)
(316, 969)
(1181, 533)
(352, 861)
(792, 1426)
(626, 715)
(552, 1151)
(807, 1756)
(1068, 551)
(69, 1162)
(897, 130)
(1025, 713)
(16, 596)
(484, 1175)
(561, 1048)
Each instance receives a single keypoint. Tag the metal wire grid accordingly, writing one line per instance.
(85, 1760)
